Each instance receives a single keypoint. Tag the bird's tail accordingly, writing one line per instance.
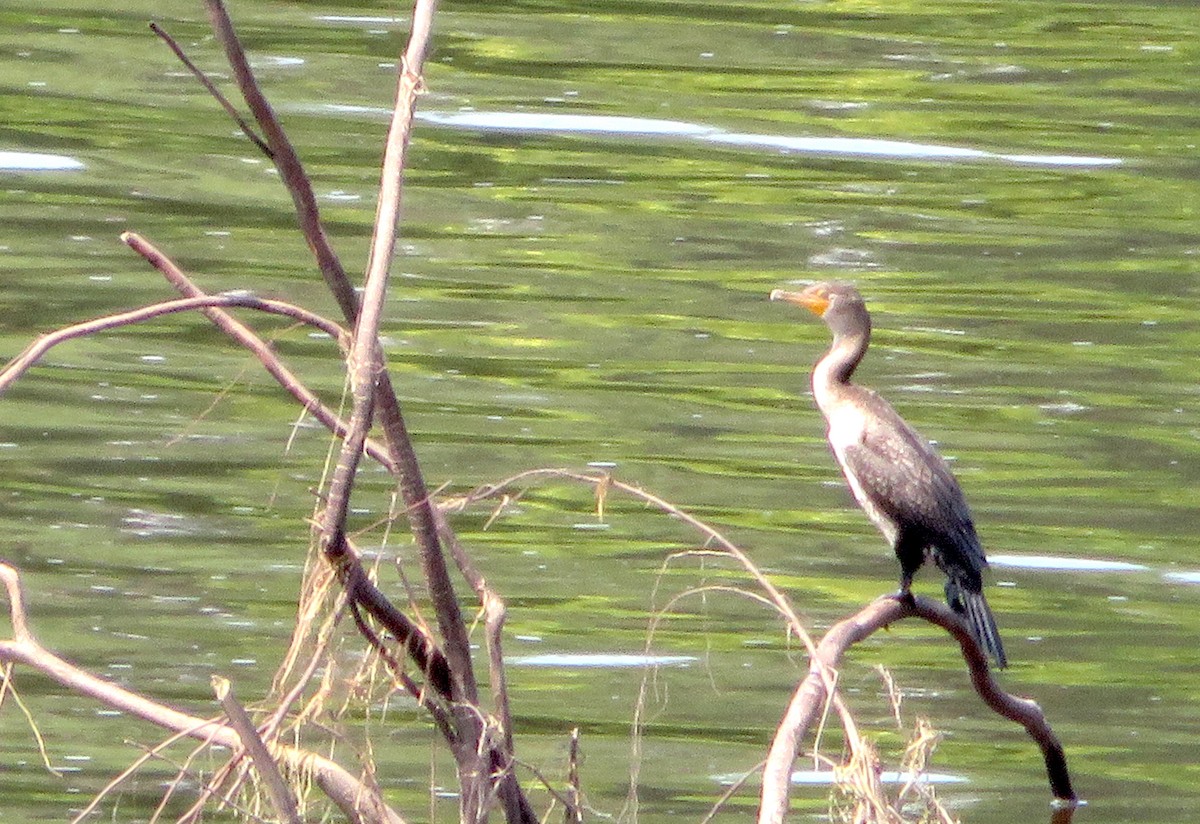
(974, 607)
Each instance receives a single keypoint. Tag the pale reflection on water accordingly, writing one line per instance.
(37, 162)
(601, 660)
(618, 125)
(1051, 562)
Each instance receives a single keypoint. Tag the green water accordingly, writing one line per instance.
(574, 291)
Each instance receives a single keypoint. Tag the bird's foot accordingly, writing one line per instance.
(904, 595)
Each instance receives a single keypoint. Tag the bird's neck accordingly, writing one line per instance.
(831, 375)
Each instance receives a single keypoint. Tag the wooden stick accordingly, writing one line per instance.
(281, 795)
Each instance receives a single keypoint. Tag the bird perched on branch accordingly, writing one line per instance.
(903, 485)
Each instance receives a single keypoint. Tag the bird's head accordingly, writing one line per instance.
(838, 304)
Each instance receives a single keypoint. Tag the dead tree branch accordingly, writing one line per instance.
(371, 392)
(34, 352)
(810, 697)
(818, 690)
(244, 335)
(359, 802)
(403, 461)
(283, 155)
(204, 81)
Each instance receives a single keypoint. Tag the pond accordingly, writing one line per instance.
(601, 197)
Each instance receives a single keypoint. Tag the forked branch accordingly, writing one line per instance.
(372, 394)
(810, 697)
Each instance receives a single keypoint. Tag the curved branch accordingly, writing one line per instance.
(603, 483)
(810, 696)
(34, 352)
(418, 644)
(1023, 711)
(356, 799)
(247, 338)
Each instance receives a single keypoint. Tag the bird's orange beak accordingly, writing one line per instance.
(813, 299)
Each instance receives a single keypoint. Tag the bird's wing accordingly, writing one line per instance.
(905, 479)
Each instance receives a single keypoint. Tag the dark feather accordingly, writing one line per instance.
(911, 483)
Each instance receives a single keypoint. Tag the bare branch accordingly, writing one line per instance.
(573, 804)
(817, 691)
(286, 161)
(403, 462)
(21, 364)
(420, 646)
(370, 385)
(1023, 711)
(245, 336)
(495, 613)
(811, 695)
(213, 90)
(281, 795)
(359, 802)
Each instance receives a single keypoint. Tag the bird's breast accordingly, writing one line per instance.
(846, 426)
(848, 423)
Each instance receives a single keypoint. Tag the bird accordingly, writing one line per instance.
(896, 476)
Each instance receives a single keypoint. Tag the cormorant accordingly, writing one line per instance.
(903, 485)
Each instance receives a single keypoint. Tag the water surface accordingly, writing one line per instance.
(601, 199)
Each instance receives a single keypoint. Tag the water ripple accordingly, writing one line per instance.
(539, 122)
(600, 660)
(1059, 563)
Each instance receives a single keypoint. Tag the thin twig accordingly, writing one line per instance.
(7, 688)
(719, 804)
(246, 128)
(20, 364)
(230, 776)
